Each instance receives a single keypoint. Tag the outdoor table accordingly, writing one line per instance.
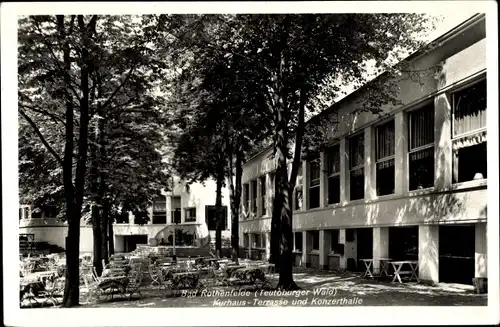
(230, 269)
(384, 263)
(188, 279)
(398, 265)
(249, 274)
(117, 282)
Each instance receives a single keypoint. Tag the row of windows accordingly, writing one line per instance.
(469, 151)
(332, 239)
(250, 197)
(258, 240)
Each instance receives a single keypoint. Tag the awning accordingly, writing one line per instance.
(469, 140)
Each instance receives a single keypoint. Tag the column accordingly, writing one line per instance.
(370, 174)
(269, 195)
(401, 153)
(428, 253)
(168, 208)
(259, 195)
(481, 268)
(183, 212)
(306, 248)
(344, 171)
(305, 185)
(150, 215)
(442, 142)
(380, 246)
(324, 247)
(268, 245)
(130, 218)
(343, 258)
(322, 180)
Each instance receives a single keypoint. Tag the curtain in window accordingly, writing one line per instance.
(356, 151)
(385, 140)
(470, 109)
(421, 127)
(314, 172)
(333, 160)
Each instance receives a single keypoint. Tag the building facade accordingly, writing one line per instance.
(192, 204)
(409, 183)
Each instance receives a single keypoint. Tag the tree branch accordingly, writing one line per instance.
(42, 138)
(43, 112)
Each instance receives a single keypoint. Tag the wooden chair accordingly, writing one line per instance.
(53, 288)
(155, 275)
(93, 289)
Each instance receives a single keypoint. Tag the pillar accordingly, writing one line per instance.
(343, 258)
(401, 153)
(269, 195)
(428, 253)
(324, 247)
(130, 218)
(344, 172)
(150, 215)
(259, 195)
(306, 249)
(370, 174)
(481, 268)
(442, 142)
(168, 208)
(305, 185)
(268, 245)
(322, 180)
(380, 246)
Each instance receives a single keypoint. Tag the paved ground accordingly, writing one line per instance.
(339, 290)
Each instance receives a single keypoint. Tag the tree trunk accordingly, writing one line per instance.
(95, 206)
(218, 215)
(111, 240)
(102, 186)
(235, 202)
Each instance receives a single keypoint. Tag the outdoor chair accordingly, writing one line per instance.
(155, 275)
(135, 282)
(93, 290)
(53, 288)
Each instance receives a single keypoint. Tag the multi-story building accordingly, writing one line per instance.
(409, 183)
(192, 204)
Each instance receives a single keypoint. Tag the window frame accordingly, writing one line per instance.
(263, 202)
(310, 163)
(386, 158)
(332, 174)
(360, 166)
(189, 219)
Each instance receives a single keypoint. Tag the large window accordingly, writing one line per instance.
(246, 240)
(211, 217)
(315, 239)
(334, 240)
(299, 190)
(356, 167)
(176, 209)
(469, 133)
(314, 177)
(333, 162)
(246, 199)
(190, 214)
(159, 211)
(262, 182)
(257, 241)
(421, 147)
(297, 240)
(385, 150)
(253, 198)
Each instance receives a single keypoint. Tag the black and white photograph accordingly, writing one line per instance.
(244, 163)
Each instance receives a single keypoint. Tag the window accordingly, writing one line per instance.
(257, 241)
(315, 239)
(49, 211)
(469, 133)
(297, 241)
(333, 162)
(314, 177)
(246, 240)
(262, 196)
(176, 209)
(36, 213)
(253, 199)
(421, 148)
(334, 240)
(385, 151)
(246, 199)
(159, 211)
(211, 217)
(190, 214)
(356, 167)
(298, 190)
(24, 212)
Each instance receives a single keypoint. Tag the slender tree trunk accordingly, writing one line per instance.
(111, 240)
(102, 185)
(95, 205)
(235, 201)
(218, 210)
(72, 241)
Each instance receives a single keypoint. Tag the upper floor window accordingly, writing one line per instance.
(190, 214)
(469, 133)
(314, 177)
(262, 182)
(253, 197)
(298, 190)
(49, 211)
(246, 199)
(176, 209)
(356, 167)
(385, 151)
(333, 166)
(421, 147)
(159, 211)
(24, 212)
